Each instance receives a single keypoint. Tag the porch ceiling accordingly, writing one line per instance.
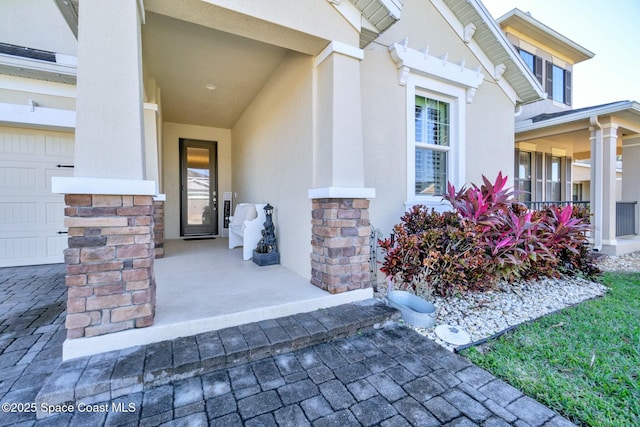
(575, 135)
(184, 58)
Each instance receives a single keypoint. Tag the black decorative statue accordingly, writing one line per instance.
(266, 253)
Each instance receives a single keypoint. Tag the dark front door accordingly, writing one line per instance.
(199, 187)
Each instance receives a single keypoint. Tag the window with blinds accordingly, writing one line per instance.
(432, 145)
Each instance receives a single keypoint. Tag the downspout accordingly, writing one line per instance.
(518, 111)
(597, 165)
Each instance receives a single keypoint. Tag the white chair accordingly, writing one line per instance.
(245, 227)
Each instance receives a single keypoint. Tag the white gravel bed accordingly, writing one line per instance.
(627, 263)
(482, 315)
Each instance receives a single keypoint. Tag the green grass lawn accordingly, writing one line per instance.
(583, 362)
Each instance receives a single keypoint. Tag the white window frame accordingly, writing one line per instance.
(455, 96)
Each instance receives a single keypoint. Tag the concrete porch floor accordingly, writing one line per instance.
(203, 286)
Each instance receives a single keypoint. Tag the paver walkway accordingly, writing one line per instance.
(389, 377)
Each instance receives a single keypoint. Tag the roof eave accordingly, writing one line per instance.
(572, 49)
(534, 90)
(527, 125)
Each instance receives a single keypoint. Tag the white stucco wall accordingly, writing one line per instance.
(490, 135)
(273, 153)
(171, 134)
(37, 24)
(489, 121)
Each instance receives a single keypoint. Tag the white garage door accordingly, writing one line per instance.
(31, 217)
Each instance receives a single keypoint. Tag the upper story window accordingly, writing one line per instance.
(533, 62)
(432, 146)
(558, 83)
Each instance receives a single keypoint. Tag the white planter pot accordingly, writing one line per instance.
(414, 310)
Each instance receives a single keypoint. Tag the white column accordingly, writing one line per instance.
(631, 174)
(609, 142)
(109, 148)
(338, 147)
(595, 190)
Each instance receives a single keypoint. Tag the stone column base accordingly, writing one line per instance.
(110, 282)
(340, 243)
(158, 228)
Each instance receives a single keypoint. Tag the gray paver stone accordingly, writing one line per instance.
(295, 377)
(530, 411)
(453, 362)
(330, 356)
(59, 388)
(461, 422)
(230, 420)
(234, 343)
(185, 352)
(128, 370)
(400, 374)
(342, 418)
(287, 364)
(379, 363)
(156, 420)
(316, 407)
(474, 376)
(559, 421)
(414, 365)
(351, 372)
(88, 418)
(386, 387)
(159, 357)
(257, 343)
(157, 400)
(423, 389)
(241, 377)
(308, 358)
(397, 421)
(221, 405)
(415, 413)
(189, 409)
(336, 394)
(296, 392)
(362, 390)
(495, 422)
(446, 379)
(473, 392)
(267, 374)
(215, 384)
(291, 416)
(128, 412)
(264, 420)
(500, 392)
(442, 409)
(467, 405)
(320, 374)
(247, 391)
(258, 404)
(499, 410)
(373, 411)
(193, 420)
(211, 350)
(187, 391)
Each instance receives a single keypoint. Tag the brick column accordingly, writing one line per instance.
(158, 228)
(109, 261)
(340, 242)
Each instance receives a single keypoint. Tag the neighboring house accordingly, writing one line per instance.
(338, 113)
(555, 144)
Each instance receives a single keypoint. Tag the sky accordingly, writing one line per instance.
(608, 28)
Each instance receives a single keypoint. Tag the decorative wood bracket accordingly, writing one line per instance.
(469, 31)
(409, 60)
